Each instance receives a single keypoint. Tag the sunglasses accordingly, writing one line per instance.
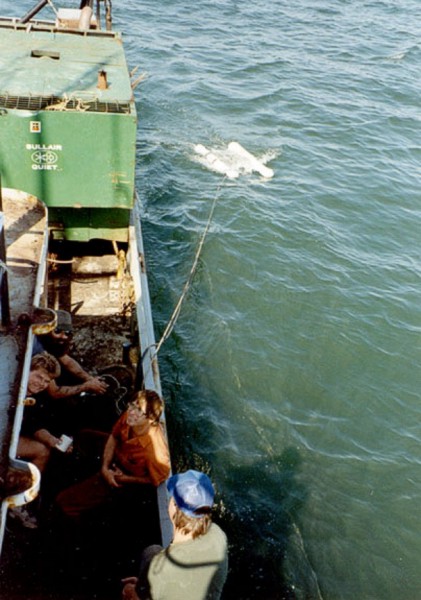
(134, 407)
(67, 332)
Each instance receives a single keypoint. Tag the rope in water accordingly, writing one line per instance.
(176, 312)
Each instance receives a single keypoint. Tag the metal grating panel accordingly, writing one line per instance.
(36, 103)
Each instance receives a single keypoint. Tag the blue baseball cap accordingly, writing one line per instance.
(191, 491)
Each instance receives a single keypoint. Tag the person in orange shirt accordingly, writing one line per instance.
(136, 452)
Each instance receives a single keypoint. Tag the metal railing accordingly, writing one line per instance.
(4, 285)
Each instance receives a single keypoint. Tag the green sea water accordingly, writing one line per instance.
(293, 371)
(292, 374)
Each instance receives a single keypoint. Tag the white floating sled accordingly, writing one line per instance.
(256, 164)
(216, 163)
(232, 161)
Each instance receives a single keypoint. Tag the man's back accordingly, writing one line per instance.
(191, 570)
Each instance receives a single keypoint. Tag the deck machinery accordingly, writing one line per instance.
(68, 123)
(67, 163)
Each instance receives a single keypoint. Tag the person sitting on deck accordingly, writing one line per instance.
(135, 452)
(74, 378)
(35, 440)
(195, 564)
(85, 400)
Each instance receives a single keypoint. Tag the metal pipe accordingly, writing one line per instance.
(4, 283)
(98, 15)
(108, 17)
(34, 11)
(85, 18)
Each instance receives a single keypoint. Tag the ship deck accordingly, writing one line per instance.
(25, 233)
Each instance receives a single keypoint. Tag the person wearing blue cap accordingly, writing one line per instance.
(195, 564)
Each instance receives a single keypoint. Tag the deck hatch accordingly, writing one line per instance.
(45, 54)
(36, 103)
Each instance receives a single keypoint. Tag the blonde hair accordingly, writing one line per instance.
(195, 525)
(47, 362)
(154, 404)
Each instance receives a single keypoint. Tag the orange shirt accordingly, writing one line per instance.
(144, 455)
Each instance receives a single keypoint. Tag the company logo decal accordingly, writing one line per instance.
(44, 157)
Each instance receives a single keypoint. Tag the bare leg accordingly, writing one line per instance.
(33, 451)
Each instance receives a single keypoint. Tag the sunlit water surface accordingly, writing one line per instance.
(292, 374)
